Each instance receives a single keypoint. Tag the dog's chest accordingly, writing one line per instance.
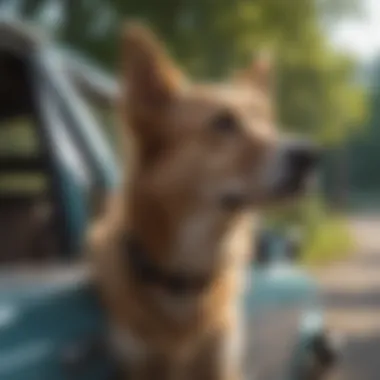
(126, 346)
(179, 308)
(195, 250)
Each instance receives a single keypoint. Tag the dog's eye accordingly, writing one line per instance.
(225, 122)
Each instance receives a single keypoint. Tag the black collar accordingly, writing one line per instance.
(148, 272)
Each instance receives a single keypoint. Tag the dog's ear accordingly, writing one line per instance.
(149, 78)
(260, 72)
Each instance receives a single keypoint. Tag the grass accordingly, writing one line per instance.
(326, 235)
(330, 241)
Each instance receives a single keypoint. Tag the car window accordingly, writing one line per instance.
(26, 222)
(19, 146)
(18, 137)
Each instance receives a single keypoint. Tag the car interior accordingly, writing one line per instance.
(28, 231)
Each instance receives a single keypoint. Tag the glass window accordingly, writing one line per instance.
(18, 137)
(19, 146)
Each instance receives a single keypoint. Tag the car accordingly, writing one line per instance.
(56, 167)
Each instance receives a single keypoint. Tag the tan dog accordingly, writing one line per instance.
(170, 252)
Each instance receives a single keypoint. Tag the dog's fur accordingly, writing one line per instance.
(199, 159)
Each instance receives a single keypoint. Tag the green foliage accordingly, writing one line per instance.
(335, 9)
(318, 97)
(18, 137)
(326, 236)
(210, 38)
(331, 240)
(363, 149)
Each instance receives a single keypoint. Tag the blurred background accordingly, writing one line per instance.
(328, 65)
(326, 53)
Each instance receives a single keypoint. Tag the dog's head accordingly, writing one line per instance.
(212, 144)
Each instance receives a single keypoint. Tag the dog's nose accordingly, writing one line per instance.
(302, 157)
(298, 160)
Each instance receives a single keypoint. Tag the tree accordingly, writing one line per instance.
(363, 147)
(210, 38)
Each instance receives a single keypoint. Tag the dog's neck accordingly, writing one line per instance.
(186, 238)
(195, 241)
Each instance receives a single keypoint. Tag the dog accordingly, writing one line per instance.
(169, 252)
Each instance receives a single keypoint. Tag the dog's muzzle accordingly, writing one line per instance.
(293, 166)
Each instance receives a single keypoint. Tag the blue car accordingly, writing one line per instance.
(56, 166)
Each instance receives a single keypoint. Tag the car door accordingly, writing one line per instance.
(51, 326)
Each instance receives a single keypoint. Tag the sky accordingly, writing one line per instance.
(360, 37)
